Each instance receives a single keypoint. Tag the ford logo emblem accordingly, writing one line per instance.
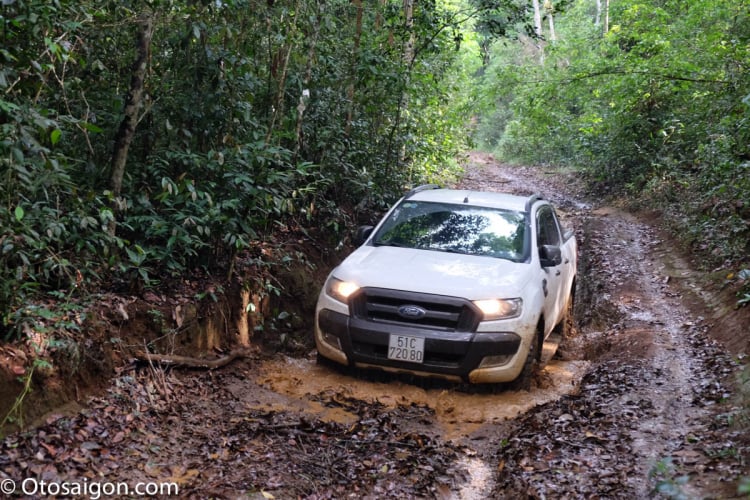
(411, 312)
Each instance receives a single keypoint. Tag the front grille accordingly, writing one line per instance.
(437, 312)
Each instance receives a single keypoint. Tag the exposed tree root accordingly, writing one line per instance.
(190, 362)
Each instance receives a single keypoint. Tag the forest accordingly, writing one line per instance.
(202, 148)
(144, 140)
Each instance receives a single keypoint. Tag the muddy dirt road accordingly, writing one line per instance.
(634, 406)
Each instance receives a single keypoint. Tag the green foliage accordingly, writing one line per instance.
(667, 483)
(15, 414)
(656, 107)
(744, 487)
(255, 117)
(47, 226)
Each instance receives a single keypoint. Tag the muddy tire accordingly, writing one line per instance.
(567, 327)
(523, 381)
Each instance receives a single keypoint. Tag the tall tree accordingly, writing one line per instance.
(538, 29)
(133, 101)
(605, 23)
(317, 19)
(354, 64)
(549, 10)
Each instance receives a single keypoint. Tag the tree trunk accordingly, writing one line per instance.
(305, 95)
(408, 57)
(538, 29)
(353, 74)
(598, 17)
(409, 25)
(605, 29)
(537, 19)
(278, 106)
(283, 55)
(550, 10)
(132, 105)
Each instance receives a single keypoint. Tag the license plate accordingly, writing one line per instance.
(405, 348)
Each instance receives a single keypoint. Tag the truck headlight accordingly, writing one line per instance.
(340, 290)
(493, 309)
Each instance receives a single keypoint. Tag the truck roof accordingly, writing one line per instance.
(474, 198)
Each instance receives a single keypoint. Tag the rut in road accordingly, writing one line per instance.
(631, 405)
(643, 421)
(661, 382)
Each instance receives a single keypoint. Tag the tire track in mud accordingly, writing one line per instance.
(643, 423)
(650, 348)
(676, 377)
(643, 411)
(632, 404)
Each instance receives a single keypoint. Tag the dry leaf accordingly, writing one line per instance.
(182, 476)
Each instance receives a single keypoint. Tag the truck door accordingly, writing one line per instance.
(548, 233)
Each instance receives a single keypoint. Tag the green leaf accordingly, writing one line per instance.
(7, 55)
(91, 127)
(55, 136)
(744, 486)
(19, 213)
(8, 107)
(17, 155)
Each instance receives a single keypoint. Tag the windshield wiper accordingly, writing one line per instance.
(448, 250)
(393, 244)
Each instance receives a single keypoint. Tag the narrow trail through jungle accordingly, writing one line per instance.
(630, 407)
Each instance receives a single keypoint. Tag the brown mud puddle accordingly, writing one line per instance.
(458, 414)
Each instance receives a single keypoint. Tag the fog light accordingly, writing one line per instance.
(498, 360)
(332, 340)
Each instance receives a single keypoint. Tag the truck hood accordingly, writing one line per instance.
(440, 273)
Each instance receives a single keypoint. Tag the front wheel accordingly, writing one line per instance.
(523, 381)
(567, 327)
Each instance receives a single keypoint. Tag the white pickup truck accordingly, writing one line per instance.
(460, 285)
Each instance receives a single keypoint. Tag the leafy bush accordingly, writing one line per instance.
(655, 110)
(255, 117)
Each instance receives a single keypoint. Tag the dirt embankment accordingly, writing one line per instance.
(639, 404)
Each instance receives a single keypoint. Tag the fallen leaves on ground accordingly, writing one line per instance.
(212, 444)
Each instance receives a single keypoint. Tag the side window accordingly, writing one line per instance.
(548, 231)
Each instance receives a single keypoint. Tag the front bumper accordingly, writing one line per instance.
(452, 355)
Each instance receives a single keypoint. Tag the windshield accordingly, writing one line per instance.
(456, 228)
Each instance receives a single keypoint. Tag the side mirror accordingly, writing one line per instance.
(550, 255)
(363, 232)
